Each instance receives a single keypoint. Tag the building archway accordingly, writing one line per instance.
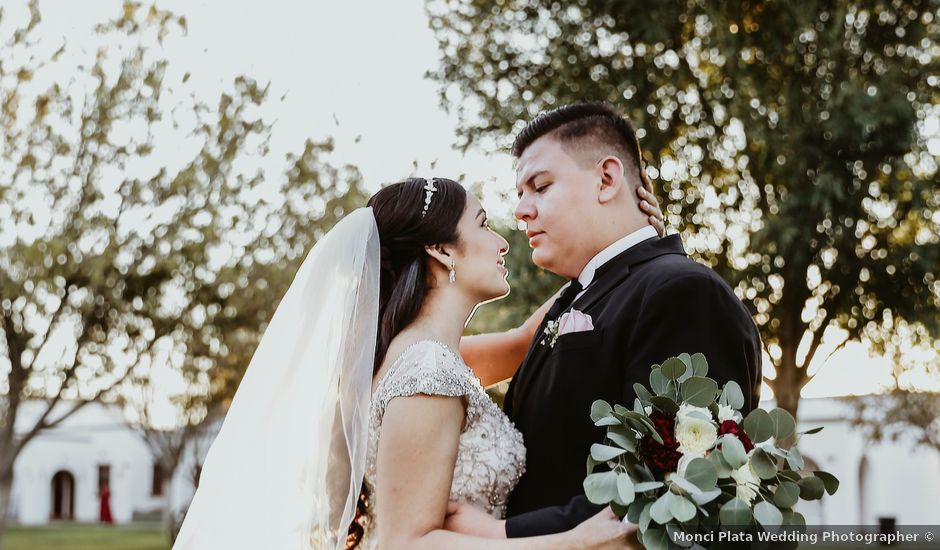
(63, 496)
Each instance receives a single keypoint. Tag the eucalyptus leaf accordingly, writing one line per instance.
(793, 519)
(660, 510)
(685, 358)
(732, 395)
(699, 365)
(656, 539)
(763, 464)
(699, 391)
(600, 409)
(795, 459)
(645, 517)
(658, 381)
(603, 453)
(705, 497)
(732, 450)
(644, 486)
(784, 425)
(790, 475)
(591, 463)
(767, 514)
(787, 494)
(830, 481)
(680, 507)
(636, 509)
(618, 509)
(759, 426)
(673, 368)
(607, 421)
(623, 436)
(702, 473)
(685, 484)
(625, 490)
(642, 393)
(664, 404)
(601, 488)
(721, 465)
(671, 390)
(811, 488)
(735, 512)
(812, 431)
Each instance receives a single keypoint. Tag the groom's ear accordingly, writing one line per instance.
(612, 180)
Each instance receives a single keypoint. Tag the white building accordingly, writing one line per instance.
(58, 474)
(888, 480)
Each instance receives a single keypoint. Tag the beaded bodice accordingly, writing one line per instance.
(490, 454)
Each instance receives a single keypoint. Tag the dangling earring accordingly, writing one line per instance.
(453, 272)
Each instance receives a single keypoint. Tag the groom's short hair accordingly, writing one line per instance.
(587, 131)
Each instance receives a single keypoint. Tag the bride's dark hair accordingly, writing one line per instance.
(404, 233)
(403, 284)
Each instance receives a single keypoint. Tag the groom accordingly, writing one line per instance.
(578, 168)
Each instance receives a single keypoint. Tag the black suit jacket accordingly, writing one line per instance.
(648, 303)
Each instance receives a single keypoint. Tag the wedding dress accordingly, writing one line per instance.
(300, 437)
(490, 455)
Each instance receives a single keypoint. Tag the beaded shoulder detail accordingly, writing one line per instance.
(426, 367)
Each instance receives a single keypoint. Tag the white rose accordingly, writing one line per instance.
(725, 412)
(695, 435)
(747, 482)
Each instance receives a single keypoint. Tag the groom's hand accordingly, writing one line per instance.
(470, 520)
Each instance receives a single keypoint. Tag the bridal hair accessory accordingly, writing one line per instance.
(429, 192)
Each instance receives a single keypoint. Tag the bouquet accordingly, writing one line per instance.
(689, 470)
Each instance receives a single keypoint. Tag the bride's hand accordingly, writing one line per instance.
(605, 531)
(650, 205)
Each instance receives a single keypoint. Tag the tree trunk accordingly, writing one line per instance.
(169, 521)
(6, 490)
(790, 380)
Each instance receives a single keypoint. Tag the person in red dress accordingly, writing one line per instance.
(105, 497)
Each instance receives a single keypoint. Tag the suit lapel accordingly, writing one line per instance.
(608, 276)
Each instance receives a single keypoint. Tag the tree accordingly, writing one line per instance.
(900, 414)
(793, 143)
(168, 443)
(139, 229)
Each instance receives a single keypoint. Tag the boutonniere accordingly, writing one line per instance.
(571, 321)
(551, 334)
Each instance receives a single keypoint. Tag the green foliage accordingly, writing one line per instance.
(789, 141)
(113, 259)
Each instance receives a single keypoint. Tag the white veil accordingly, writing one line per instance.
(285, 470)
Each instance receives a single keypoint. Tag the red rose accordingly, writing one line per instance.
(662, 457)
(732, 427)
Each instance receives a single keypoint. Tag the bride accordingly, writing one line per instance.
(357, 422)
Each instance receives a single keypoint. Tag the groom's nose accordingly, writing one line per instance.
(525, 210)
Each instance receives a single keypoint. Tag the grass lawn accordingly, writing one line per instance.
(72, 536)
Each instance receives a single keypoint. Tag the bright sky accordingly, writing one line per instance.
(354, 71)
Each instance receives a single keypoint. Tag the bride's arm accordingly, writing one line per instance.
(415, 467)
(495, 356)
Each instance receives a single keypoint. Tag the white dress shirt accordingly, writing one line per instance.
(604, 256)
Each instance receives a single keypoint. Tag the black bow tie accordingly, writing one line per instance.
(563, 301)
